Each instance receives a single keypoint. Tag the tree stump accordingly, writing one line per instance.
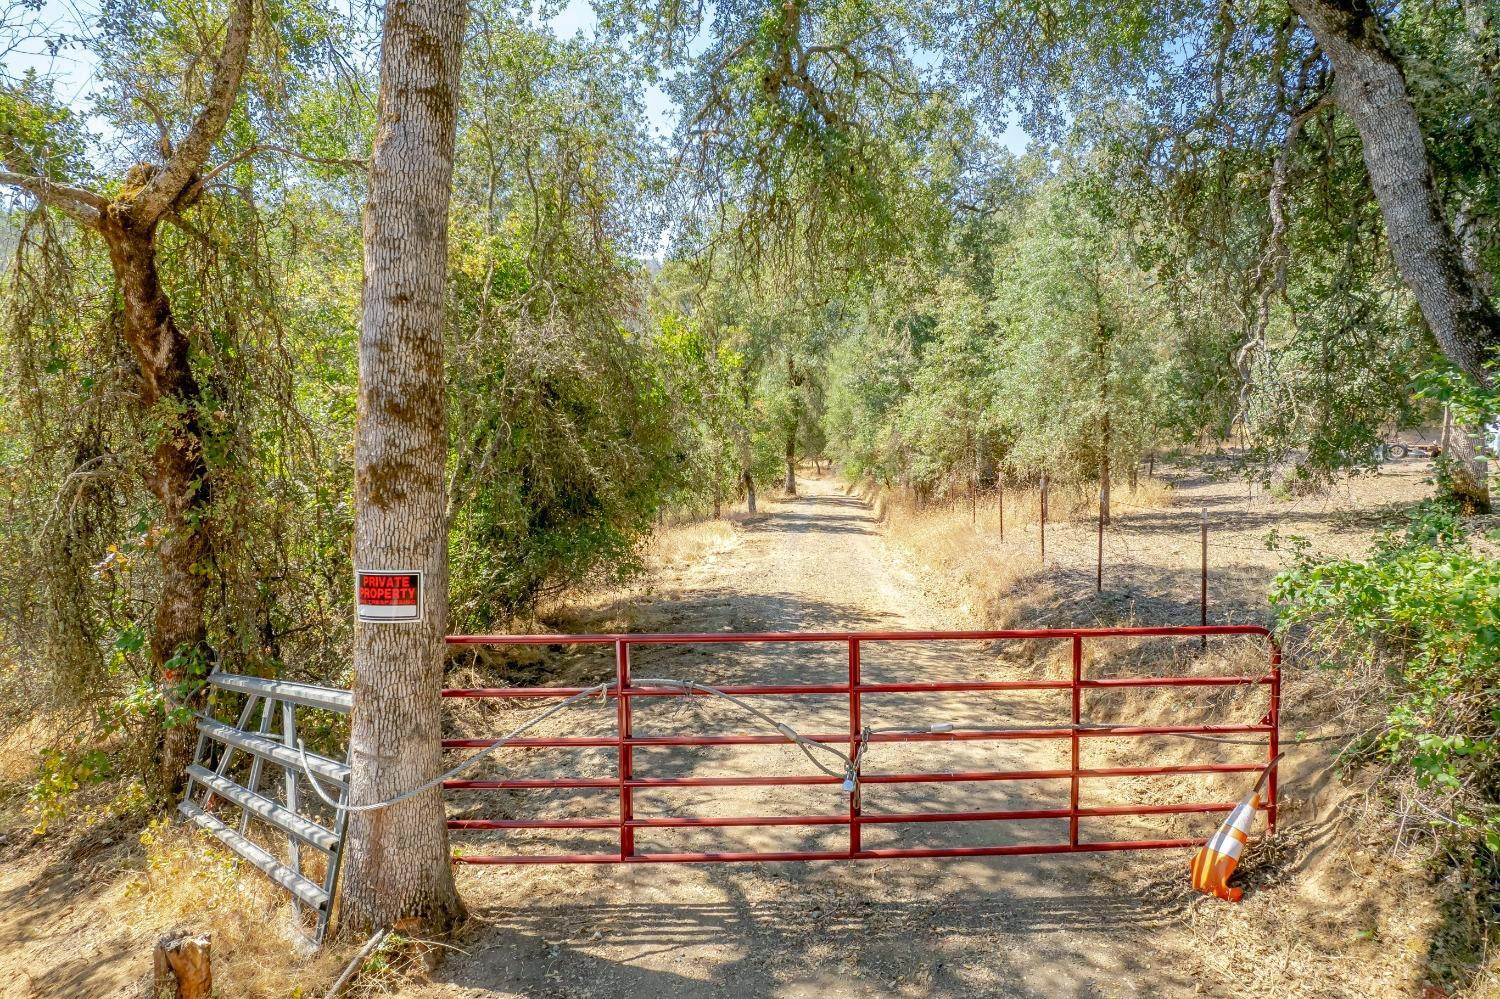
(181, 968)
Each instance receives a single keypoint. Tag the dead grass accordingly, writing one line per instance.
(91, 902)
(188, 880)
(670, 549)
(21, 748)
(959, 544)
(683, 544)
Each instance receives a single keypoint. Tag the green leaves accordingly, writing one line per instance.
(1425, 609)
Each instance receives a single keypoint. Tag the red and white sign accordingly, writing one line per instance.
(388, 596)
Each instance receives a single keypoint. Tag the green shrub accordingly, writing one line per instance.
(1423, 612)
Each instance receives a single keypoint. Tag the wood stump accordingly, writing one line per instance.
(181, 968)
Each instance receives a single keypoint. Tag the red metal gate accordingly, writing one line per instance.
(625, 740)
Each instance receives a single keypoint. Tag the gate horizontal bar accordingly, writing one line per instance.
(895, 853)
(283, 756)
(974, 776)
(942, 687)
(266, 810)
(305, 694)
(843, 819)
(960, 735)
(274, 869)
(730, 638)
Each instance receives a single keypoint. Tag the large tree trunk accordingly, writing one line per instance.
(178, 479)
(790, 484)
(1462, 472)
(747, 474)
(398, 866)
(1370, 87)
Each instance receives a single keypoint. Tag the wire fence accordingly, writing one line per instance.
(1138, 544)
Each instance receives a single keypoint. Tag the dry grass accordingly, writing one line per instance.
(21, 748)
(686, 543)
(93, 902)
(188, 880)
(1149, 494)
(670, 549)
(1021, 507)
(958, 544)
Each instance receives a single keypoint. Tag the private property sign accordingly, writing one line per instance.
(388, 596)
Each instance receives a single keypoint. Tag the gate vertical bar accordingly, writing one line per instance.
(336, 860)
(855, 725)
(1275, 746)
(1077, 721)
(293, 848)
(622, 721)
(257, 765)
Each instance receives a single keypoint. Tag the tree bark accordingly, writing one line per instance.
(182, 968)
(1370, 87)
(718, 482)
(790, 484)
(398, 866)
(1462, 472)
(1104, 474)
(1105, 440)
(179, 479)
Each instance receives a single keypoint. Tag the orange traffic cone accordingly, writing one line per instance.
(1216, 860)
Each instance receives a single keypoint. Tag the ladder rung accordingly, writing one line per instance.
(274, 869)
(305, 694)
(265, 809)
(268, 749)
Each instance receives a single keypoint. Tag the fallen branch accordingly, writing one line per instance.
(371, 945)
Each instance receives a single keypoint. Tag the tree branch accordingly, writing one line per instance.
(164, 188)
(81, 204)
(258, 149)
(1270, 273)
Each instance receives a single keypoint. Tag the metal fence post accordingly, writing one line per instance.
(856, 723)
(1044, 518)
(622, 721)
(1077, 721)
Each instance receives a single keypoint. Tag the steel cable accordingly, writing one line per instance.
(850, 775)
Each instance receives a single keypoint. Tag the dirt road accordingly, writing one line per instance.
(1020, 926)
